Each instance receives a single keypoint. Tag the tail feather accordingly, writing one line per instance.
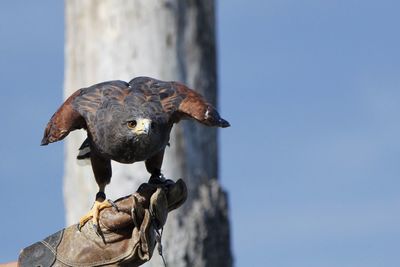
(84, 150)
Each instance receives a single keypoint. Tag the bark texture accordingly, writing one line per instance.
(168, 40)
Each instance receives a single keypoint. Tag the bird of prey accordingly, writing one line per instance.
(127, 123)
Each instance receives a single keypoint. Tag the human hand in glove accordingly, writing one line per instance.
(128, 234)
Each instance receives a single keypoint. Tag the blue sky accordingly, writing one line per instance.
(312, 90)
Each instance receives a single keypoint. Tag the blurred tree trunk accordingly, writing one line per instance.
(168, 40)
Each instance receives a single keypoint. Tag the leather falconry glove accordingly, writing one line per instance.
(128, 235)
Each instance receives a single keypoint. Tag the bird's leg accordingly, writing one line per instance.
(102, 173)
(157, 178)
(153, 166)
(99, 204)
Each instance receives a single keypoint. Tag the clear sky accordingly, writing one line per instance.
(311, 162)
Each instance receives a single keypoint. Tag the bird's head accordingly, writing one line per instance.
(140, 126)
(131, 135)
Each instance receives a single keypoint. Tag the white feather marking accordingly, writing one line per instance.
(84, 151)
(83, 162)
(206, 114)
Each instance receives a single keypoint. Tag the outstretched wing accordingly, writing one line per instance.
(179, 101)
(80, 109)
(65, 120)
(193, 105)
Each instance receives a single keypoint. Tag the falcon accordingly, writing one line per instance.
(127, 123)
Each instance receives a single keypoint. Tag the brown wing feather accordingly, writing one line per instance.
(187, 103)
(65, 120)
(80, 109)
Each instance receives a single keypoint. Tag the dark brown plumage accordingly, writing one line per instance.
(128, 122)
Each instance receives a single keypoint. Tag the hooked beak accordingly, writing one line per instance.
(142, 127)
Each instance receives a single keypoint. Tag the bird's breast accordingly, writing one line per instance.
(136, 149)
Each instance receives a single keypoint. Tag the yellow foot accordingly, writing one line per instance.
(93, 214)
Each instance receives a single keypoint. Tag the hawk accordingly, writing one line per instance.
(127, 123)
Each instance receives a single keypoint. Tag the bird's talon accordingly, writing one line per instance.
(94, 213)
(113, 205)
(96, 229)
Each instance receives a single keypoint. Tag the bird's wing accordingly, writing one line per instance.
(65, 120)
(185, 103)
(178, 101)
(80, 109)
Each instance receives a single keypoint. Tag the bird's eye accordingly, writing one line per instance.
(132, 124)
